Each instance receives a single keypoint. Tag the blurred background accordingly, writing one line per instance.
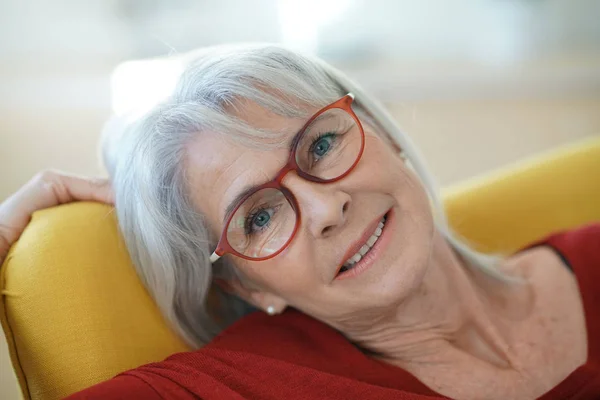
(477, 83)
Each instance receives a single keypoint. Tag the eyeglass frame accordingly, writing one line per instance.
(223, 245)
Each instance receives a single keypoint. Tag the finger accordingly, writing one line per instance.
(66, 188)
(87, 189)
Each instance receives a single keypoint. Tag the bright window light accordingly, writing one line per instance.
(136, 86)
(300, 20)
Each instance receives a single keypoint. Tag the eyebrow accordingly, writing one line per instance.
(234, 203)
(250, 188)
(321, 117)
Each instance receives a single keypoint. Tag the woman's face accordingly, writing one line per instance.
(337, 220)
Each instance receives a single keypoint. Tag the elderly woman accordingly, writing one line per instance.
(268, 180)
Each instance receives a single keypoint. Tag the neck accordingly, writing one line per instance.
(454, 311)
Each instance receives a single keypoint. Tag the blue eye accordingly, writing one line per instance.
(321, 147)
(261, 218)
(322, 144)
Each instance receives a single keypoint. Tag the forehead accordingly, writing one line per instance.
(263, 118)
(219, 167)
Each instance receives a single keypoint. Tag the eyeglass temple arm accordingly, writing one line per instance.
(214, 257)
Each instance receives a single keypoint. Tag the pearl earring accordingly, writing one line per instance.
(271, 310)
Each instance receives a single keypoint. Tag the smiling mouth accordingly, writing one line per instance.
(364, 250)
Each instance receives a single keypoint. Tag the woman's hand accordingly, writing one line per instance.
(46, 189)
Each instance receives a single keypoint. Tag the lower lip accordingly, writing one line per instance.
(373, 255)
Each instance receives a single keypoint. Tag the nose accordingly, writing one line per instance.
(324, 208)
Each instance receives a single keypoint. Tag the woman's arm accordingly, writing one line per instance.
(46, 189)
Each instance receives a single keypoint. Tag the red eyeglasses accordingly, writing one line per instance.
(266, 218)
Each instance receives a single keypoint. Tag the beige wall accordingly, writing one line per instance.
(61, 138)
(482, 134)
(458, 138)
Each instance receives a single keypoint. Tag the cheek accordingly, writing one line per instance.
(394, 171)
(382, 170)
(289, 274)
(415, 225)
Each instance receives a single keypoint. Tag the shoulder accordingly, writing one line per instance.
(565, 262)
(575, 249)
(545, 265)
(578, 246)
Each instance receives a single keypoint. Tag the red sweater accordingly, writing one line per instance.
(292, 356)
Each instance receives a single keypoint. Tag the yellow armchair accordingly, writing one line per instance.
(74, 312)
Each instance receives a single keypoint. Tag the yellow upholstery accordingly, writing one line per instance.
(509, 208)
(74, 312)
(73, 309)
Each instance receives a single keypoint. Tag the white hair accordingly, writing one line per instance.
(167, 238)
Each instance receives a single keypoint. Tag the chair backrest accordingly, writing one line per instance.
(74, 312)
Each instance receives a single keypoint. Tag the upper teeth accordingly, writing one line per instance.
(367, 246)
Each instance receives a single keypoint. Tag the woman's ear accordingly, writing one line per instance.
(268, 302)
